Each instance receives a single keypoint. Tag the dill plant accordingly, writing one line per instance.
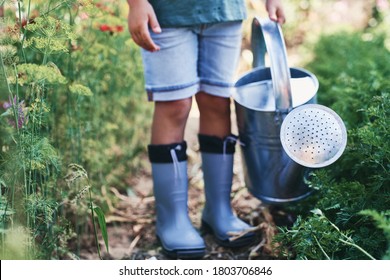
(71, 92)
(32, 194)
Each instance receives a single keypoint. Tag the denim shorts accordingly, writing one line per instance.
(193, 59)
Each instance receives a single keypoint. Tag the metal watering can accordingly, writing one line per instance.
(284, 133)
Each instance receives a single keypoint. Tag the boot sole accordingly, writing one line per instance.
(240, 242)
(188, 254)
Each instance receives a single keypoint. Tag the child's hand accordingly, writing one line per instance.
(141, 16)
(275, 11)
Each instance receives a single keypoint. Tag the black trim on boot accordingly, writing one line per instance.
(162, 153)
(217, 145)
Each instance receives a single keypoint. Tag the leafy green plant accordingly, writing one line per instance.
(382, 219)
(350, 72)
(79, 176)
(73, 93)
(358, 183)
(316, 237)
(71, 88)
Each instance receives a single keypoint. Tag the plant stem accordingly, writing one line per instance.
(322, 249)
(93, 222)
(351, 243)
(16, 105)
(4, 73)
(358, 247)
(21, 27)
(49, 10)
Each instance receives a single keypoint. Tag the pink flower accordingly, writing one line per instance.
(382, 4)
(84, 16)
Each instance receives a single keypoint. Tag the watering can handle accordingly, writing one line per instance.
(267, 37)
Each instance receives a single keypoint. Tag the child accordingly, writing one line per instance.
(191, 48)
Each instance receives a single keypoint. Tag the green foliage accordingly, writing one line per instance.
(102, 223)
(351, 70)
(34, 154)
(382, 219)
(78, 176)
(50, 35)
(71, 90)
(353, 75)
(28, 74)
(80, 90)
(316, 237)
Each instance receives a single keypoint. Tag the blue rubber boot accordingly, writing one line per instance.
(178, 237)
(218, 217)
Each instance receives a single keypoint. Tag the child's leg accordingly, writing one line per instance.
(219, 53)
(169, 121)
(214, 115)
(171, 81)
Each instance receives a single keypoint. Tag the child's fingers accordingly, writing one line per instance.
(153, 23)
(276, 15)
(147, 43)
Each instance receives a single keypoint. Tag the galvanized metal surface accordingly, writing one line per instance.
(270, 174)
(283, 131)
(255, 90)
(263, 98)
(280, 73)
